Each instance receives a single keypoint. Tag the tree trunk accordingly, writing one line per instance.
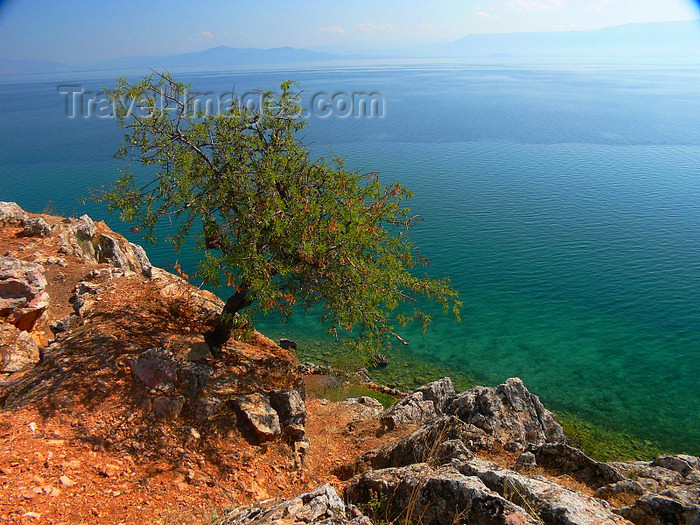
(222, 333)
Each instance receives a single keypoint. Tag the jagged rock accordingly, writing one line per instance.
(193, 378)
(550, 502)
(575, 463)
(289, 406)
(682, 464)
(673, 483)
(23, 298)
(85, 228)
(291, 411)
(288, 344)
(436, 442)
(36, 228)
(321, 506)
(419, 405)
(300, 448)
(661, 509)
(202, 303)
(257, 411)
(11, 214)
(421, 494)
(80, 238)
(508, 412)
(60, 326)
(17, 349)
(156, 368)
(655, 477)
(142, 258)
(205, 408)
(525, 461)
(83, 297)
(167, 407)
(363, 407)
(626, 486)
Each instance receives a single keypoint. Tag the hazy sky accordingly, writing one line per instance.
(79, 31)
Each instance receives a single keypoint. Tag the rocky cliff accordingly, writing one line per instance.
(113, 410)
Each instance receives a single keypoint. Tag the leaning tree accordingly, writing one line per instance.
(281, 228)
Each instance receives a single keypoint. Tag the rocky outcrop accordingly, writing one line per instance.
(257, 412)
(363, 407)
(12, 215)
(419, 405)
(23, 298)
(666, 508)
(17, 349)
(436, 442)
(156, 368)
(97, 244)
(321, 506)
(36, 228)
(550, 502)
(433, 496)
(509, 413)
(573, 462)
(672, 484)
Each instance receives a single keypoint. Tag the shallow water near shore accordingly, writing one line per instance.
(563, 202)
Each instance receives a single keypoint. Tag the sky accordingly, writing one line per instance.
(84, 32)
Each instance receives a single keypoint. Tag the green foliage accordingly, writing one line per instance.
(603, 444)
(282, 230)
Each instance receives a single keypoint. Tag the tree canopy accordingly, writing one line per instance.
(279, 227)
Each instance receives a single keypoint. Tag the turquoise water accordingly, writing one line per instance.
(563, 202)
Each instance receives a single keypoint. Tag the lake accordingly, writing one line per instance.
(563, 201)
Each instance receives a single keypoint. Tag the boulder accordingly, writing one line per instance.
(289, 406)
(508, 412)
(436, 442)
(673, 486)
(419, 405)
(422, 494)
(321, 506)
(626, 486)
(526, 461)
(205, 408)
(36, 228)
(84, 296)
(193, 378)
(257, 412)
(17, 349)
(549, 502)
(288, 344)
(657, 509)
(362, 408)
(168, 407)
(81, 238)
(156, 368)
(23, 298)
(12, 215)
(573, 462)
(663, 473)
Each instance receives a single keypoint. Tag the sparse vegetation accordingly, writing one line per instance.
(603, 444)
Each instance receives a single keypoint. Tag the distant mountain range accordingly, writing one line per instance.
(631, 41)
(648, 40)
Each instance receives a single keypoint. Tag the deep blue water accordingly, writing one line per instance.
(564, 202)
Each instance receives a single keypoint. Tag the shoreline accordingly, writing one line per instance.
(597, 440)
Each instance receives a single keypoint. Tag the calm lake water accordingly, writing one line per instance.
(564, 202)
